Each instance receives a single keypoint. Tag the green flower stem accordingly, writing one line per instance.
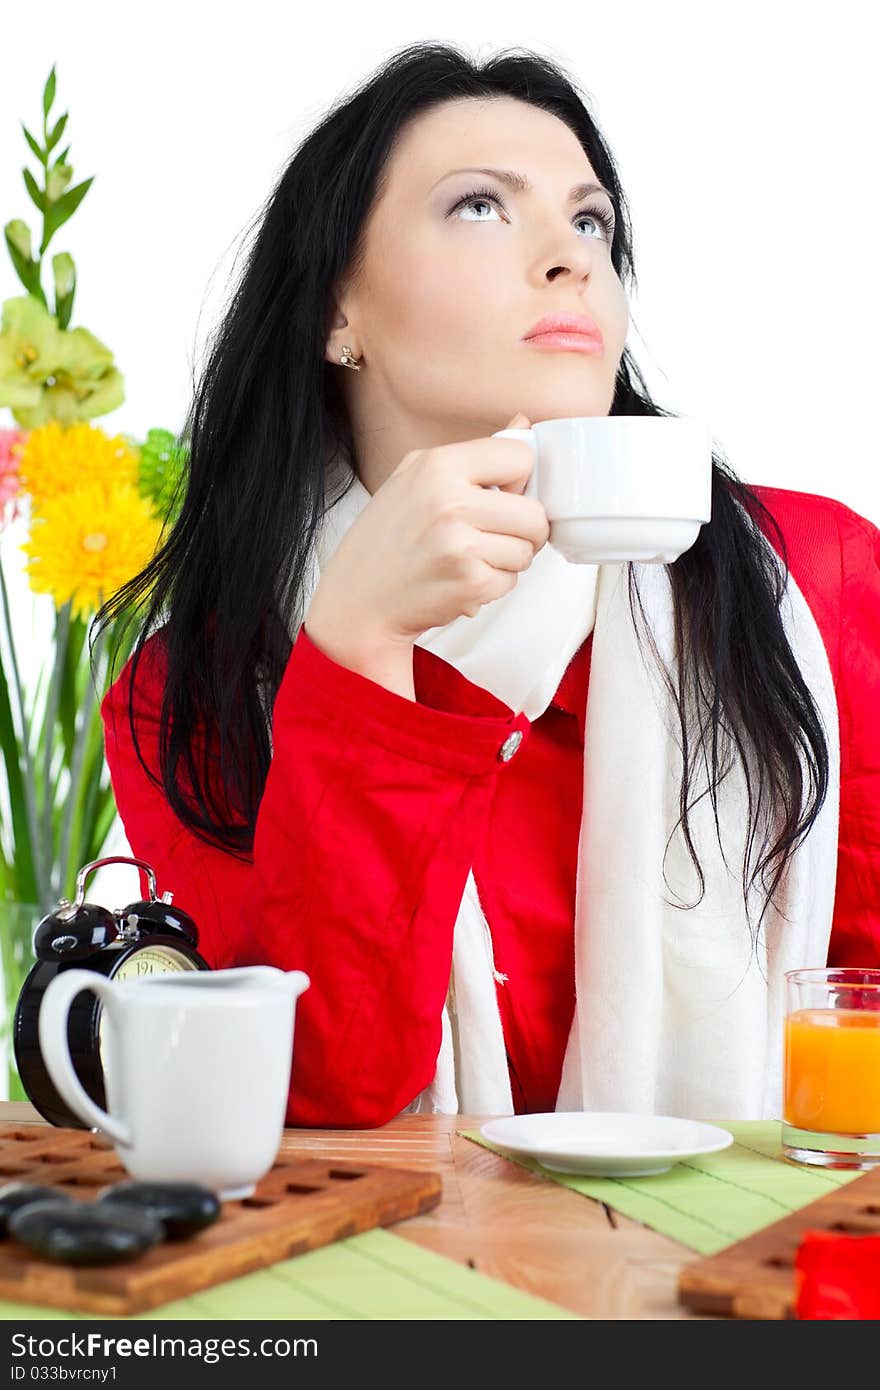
(84, 830)
(86, 839)
(30, 780)
(18, 870)
(76, 791)
(62, 630)
(45, 192)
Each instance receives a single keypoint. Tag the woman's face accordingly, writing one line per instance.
(449, 287)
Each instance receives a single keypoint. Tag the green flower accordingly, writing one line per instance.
(162, 462)
(50, 373)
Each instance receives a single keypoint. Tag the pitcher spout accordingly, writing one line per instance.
(260, 977)
(294, 981)
(297, 981)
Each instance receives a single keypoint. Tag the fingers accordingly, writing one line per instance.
(505, 552)
(508, 514)
(492, 462)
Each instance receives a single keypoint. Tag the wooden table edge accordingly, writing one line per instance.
(509, 1223)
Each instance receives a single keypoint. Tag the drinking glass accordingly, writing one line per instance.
(831, 1105)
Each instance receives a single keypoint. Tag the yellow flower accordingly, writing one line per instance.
(87, 542)
(57, 458)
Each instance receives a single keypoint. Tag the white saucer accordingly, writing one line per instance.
(605, 1145)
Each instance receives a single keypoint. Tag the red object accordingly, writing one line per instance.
(376, 806)
(838, 1277)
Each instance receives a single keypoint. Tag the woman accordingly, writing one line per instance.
(324, 790)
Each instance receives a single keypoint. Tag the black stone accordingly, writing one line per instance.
(20, 1194)
(183, 1207)
(85, 1233)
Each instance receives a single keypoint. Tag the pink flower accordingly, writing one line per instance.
(9, 479)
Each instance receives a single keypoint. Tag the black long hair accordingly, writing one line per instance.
(268, 410)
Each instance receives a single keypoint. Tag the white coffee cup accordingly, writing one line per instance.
(621, 487)
(196, 1069)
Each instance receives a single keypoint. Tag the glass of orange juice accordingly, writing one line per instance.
(831, 1095)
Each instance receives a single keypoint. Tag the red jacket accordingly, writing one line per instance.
(375, 807)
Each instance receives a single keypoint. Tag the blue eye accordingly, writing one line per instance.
(599, 214)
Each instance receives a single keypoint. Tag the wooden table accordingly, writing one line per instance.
(505, 1221)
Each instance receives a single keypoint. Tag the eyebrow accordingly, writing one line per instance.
(520, 184)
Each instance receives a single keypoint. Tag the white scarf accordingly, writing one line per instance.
(673, 1015)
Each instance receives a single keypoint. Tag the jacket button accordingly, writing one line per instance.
(510, 745)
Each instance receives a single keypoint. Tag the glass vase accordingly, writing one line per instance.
(17, 923)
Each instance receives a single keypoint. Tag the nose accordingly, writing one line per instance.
(574, 261)
(565, 253)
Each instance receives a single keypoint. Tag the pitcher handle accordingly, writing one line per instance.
(531, 487)
(54, 1009)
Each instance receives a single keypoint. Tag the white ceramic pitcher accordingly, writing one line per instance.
(196, 1068)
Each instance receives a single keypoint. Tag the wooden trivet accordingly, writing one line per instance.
(299, 1205)
(755, 1277)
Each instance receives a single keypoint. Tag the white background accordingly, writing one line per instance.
(745, 136)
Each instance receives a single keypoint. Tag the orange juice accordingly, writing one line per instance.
(832, 1070)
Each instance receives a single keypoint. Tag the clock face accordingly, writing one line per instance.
(150, 960)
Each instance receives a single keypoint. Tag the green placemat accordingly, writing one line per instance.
(713, 1201)
(376, 1275)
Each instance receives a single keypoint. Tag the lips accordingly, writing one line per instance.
(568, 324)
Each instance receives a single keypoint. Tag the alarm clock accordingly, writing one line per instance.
(145, 938)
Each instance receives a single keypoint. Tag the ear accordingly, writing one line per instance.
(331, 351)
(341, 334)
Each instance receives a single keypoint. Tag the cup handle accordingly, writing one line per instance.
(52, 1026)
(531, 487)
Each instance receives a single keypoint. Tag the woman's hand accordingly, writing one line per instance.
(435, 541)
